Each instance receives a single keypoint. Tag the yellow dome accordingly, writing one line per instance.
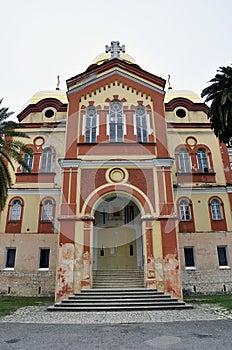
(190, 95)
(41, 95)
(106, 56)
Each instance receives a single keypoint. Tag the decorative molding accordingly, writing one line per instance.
(163, 162)
(33, 191)
(200, 189)
(69, 163)
(83, 84)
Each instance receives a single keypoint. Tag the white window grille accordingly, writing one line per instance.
(46, 161)
(184, 161)
(216, 209)
(141, 124)
(116, 122)
(47, 211)
(16, 208)
(202, 161)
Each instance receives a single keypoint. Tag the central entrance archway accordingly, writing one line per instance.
(117, 234)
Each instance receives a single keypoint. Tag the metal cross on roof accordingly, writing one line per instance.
(115, 49)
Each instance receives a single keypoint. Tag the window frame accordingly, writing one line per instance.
(41, 266)
(202, 161)
(225, 256)
(183, 211)
(44, 213)
(91, 125)
(46, 157)
(192, 258)
(141, 125)
(116, 123)
(18, 213)
(29, 160)
(7, 258)
(218, 209)
(184, 162)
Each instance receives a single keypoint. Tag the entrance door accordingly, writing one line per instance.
(117, 248)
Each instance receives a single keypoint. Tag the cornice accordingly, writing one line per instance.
(94, 70)
(82, 84)
(39, 106)
(184, 102)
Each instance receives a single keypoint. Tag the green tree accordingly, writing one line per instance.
(219, 93)
(12, 149)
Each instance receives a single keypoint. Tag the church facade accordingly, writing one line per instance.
(124, 176)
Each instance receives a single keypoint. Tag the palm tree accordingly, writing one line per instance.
(220, 111)
(11, 150)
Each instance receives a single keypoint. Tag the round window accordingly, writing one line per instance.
(181, 113)
(49, 113)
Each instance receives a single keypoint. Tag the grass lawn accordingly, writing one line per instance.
(224, 300)
(9, 304)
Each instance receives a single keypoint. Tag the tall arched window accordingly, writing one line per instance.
(46, 161)
(202, 161)
(184, 161)
(28, 159)
(184, 210)
(141, 124)
(47, 211)
(15, 211)
(186, 215)
(90, 124)
(216, 210)
(116, 122)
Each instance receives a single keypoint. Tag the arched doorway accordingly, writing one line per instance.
(117, 234)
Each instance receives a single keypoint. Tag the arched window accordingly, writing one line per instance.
(47, 211)
(141, 124)
(15, 211)
(216, 210)
(184, 161)
(90, 124)
(116, 122)
(184, 210)
(202, 161)
(28, 159)
(46, 161)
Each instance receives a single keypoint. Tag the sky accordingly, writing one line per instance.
(41, 39)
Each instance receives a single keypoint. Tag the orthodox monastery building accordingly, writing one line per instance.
(126, 176)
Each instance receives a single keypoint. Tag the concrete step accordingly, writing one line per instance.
(118, 278)
(120, 291)
(121, 301)
(118, 300)
(119, 308)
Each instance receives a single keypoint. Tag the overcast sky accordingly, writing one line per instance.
(42, 39)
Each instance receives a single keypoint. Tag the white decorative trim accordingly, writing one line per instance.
(69, 163)
(163, 162)
(41, 191)
(124, 124)
(214, 189)
(226, 267)
(116, 163)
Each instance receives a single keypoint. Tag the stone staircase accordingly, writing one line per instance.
(119, 299)
(118, 279)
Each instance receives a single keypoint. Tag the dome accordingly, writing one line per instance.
(41, 95)
(190, 95)
(107, 56)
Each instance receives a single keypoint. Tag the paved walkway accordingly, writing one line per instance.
(39, 314)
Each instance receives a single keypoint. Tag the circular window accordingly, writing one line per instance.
(116, 175)
(49, 113)
(181, 113)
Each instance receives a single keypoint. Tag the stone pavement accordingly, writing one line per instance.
(39, 314)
